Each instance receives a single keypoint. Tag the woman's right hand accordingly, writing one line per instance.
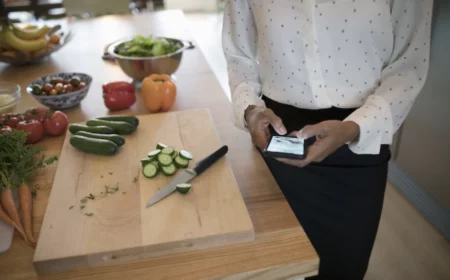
(258, 120)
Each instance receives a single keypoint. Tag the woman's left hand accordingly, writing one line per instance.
(330, 136)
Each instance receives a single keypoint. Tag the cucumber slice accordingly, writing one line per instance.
(145, 161)
(175, 154)
(153, 153)
(150, 170)
(184, 188)
(181, 162)
(168, 151)
(169, 170)
(155, 163)
(186, 155)
(165, 159)
(161, 146)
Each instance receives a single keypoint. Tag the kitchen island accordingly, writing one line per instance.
(281, 249)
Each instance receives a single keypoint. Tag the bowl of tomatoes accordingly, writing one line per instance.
(60, 91)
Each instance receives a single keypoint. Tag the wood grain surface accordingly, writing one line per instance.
(280, 243)
(121, 229)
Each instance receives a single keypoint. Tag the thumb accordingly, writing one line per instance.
(311, 131)
(275, 121)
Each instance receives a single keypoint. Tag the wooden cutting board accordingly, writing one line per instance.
(121, 228)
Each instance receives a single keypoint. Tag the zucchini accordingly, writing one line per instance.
(149, 170)
(181, 162)
(155, 163)
(153, 153)
(117, 139)
(122, 128)
(94, 146)
(161, 146)
(168, 170)
(164, 159)
(186, 155)
(175, 154)
(74, 128)
(168, 151)
(129, 119)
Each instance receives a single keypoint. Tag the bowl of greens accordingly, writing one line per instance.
(142, 56)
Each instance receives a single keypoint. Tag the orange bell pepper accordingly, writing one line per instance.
(159, 92)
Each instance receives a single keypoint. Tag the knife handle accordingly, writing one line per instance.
(210, 160)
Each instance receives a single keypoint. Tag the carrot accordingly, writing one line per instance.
(26, 211)
(4, 217)
(10, 206)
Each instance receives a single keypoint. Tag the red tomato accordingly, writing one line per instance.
(118, 86)
(119, 100)
(12, 120)
(5, 129)
(33, 128)
(57, 124)
(39, 114)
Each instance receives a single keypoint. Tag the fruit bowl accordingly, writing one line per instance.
(61, 101)
(41, 42)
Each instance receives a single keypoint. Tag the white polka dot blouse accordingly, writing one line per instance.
(366, 54)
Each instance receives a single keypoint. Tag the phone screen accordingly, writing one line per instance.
(286, 145)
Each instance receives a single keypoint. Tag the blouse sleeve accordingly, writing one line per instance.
(401, 81)
(239, 40)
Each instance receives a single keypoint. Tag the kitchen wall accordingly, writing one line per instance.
(422, 150)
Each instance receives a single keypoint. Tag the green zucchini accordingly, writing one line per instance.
(181, 162)
(94, 146)
(145, 161)
(117, 139)
(168, 151)
(164, 159)
(150, 170)
(122, 128)
(74, 128)
(129, 119)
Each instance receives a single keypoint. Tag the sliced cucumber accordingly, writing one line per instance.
(145, 161)
(168, 151)
(181, 162)
(186, 155)
(164, 159)
(184, 188)
(153, 153)
(175, 154)
(150, 170)
(161, 146)
(169, 170)
(155, 163)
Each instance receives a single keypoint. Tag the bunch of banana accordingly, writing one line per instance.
(23, 39)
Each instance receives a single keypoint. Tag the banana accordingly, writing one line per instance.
(30, 34)
(23, 45)
(3, 43)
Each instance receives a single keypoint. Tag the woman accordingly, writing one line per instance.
(344, 73)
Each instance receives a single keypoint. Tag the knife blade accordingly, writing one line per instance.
(186, 176)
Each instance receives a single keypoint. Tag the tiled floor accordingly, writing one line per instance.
(407, 246)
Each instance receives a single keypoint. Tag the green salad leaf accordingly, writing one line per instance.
(150, 46)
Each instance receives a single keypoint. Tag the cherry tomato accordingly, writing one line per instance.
(53, 92)
(81, 85)
(38, 113)
(118, 86)
(34, 130)
(47, 88)
(119, 100)
(5, 129)
(66, 82)
(59, 87)
(57, 124)
(56, 81)
(68, 87)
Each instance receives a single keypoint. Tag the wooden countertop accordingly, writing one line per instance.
(281, 250)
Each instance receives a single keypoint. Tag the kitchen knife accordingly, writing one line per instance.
(186, 175)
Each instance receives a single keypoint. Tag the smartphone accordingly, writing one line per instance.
(285, 147)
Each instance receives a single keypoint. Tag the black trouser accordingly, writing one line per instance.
(338, 202)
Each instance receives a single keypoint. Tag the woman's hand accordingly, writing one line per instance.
(330, 136)
(258, 120)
